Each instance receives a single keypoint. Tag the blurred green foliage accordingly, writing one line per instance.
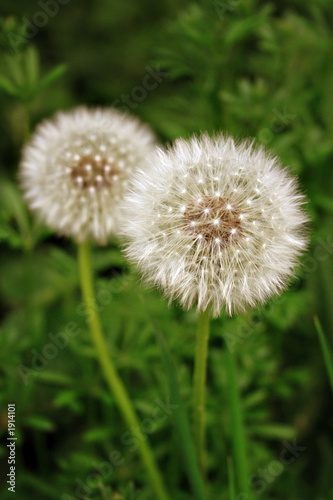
(249, 67)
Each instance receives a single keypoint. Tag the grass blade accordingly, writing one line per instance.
(326, 350)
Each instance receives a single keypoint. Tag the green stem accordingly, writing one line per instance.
(111, 375)
(199, 385)
(238, 434)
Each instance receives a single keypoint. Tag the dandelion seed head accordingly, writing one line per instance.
(75, 167)
(229, 251)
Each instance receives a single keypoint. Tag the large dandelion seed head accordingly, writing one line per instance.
(214, 223)
(75, 167)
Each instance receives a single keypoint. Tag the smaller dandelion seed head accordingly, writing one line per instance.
(74, 169)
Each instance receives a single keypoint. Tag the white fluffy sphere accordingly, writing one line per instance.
(75, 167)
(214, 223)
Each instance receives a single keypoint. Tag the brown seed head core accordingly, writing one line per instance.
(94, 172)
(214, 220)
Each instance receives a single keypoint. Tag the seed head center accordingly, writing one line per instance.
(214, 220)
(94, 172)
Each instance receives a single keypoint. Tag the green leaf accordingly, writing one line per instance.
(13, 206)
(326, 350)
(129, 492)
(8, 86)
(97, 435)
(273, 431)
(31, 66)
(54, 378)
(8, 234)
(69, 400)
(39, 423)
(15, 70)
(51, 77)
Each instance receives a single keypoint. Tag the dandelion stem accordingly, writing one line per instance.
(199, 383)
(111, 376)
(238, 434)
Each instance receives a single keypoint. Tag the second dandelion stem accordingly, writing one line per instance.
(117, 387)
(199, 385)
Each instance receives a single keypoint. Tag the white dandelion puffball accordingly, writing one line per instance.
(214, 223)
(75, 167)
